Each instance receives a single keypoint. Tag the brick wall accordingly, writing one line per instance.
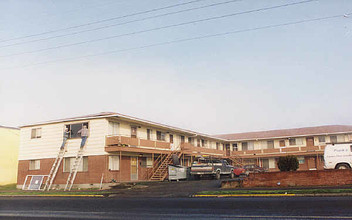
(300, 178)
(97, 165)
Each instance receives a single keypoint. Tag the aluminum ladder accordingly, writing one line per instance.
(52, 174)
(73, 171)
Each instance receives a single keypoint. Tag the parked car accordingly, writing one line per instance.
(239, 171)
(338, 156)
(253, 168)
(211, 167)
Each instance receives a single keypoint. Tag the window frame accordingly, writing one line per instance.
(83, 163)
(320, 141)
(333, 142)
(292, 142)
(34, 133)
(34, 165)
(69, 127)
(111, 162)
(234, 147)
(271, 145)
(160, 136)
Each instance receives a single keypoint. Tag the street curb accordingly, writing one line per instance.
(245, 195)
(52, 196)
(273, 195)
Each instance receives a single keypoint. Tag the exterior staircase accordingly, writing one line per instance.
(160, 166)
(236, 161)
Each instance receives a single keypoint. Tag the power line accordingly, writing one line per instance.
(158, 28)
(187, 39)
(123, 23)
(101, 21)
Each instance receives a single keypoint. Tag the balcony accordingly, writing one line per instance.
(300, 150)
(123, 143)
(188, 148)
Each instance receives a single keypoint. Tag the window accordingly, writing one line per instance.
(149, 134)
(351, 148)
(301, 160)
(203, 142)
(270, 144)
(234, 147)
(244, 146)
(74, 128)
(36, 133)
(133, 131)
(149, 162)
(190, 140)
(299, 141)
(171, 138)
(282, 143)
(113, 128)
(198, 142)
(292, 141)
(69, 162)
(321, 139)
(217, 146)
(160, 136)
(182, 139)
(114, 162)
(333, 139)
(34, 165)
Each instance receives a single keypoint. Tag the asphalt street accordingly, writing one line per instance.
(176, 208)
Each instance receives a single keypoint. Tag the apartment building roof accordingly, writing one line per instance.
(9, 127)
(285, 133)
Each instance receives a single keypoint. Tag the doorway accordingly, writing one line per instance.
(134, 168)
(310, 142)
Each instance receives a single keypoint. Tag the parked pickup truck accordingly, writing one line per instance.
(213, 167)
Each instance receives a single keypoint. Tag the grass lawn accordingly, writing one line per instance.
(288, 191)
(11, 190)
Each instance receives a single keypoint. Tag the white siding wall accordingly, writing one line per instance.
(52, 134)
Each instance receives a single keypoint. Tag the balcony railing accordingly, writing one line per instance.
(300, 149)
(120, 140)
(191, 149)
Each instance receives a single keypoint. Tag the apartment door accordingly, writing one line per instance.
(310, 141)
(134, 168)
(227, 149)
(312, 163)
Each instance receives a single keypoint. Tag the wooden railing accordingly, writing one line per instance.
(298, 149)
(119, 140)
(189, 148)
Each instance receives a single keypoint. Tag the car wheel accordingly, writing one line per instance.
(342, 167)
(217, 175)
(232, 175)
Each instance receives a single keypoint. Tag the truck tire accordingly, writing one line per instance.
(232, 175)
(217, 175)
(343, 166)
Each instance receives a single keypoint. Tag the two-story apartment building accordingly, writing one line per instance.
(265, 147)
(118, 148)
(123, 148)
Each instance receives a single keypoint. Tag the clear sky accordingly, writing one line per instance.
(284, 77)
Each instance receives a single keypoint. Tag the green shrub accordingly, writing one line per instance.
(288, 163)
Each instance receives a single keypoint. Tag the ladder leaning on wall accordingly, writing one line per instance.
(52, 174)
(73, 171)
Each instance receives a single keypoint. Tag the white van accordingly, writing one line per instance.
(338, 156)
